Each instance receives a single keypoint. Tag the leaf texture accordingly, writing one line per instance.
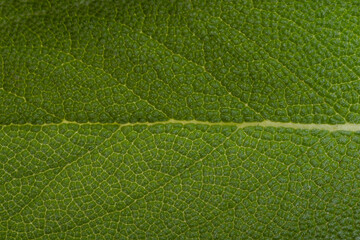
(179, 119)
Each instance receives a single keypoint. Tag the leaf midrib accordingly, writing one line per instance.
(353, 127)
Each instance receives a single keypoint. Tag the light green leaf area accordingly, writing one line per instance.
(173, 181)
(179, 119)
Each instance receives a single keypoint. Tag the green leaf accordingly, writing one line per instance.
(179, 119)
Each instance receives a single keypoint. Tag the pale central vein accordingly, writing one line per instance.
(329, 127)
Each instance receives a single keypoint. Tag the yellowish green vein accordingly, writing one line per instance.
(328, 127)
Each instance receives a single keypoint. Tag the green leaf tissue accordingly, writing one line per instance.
(179, 119)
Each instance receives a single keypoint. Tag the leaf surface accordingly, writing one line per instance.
(179, 120)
